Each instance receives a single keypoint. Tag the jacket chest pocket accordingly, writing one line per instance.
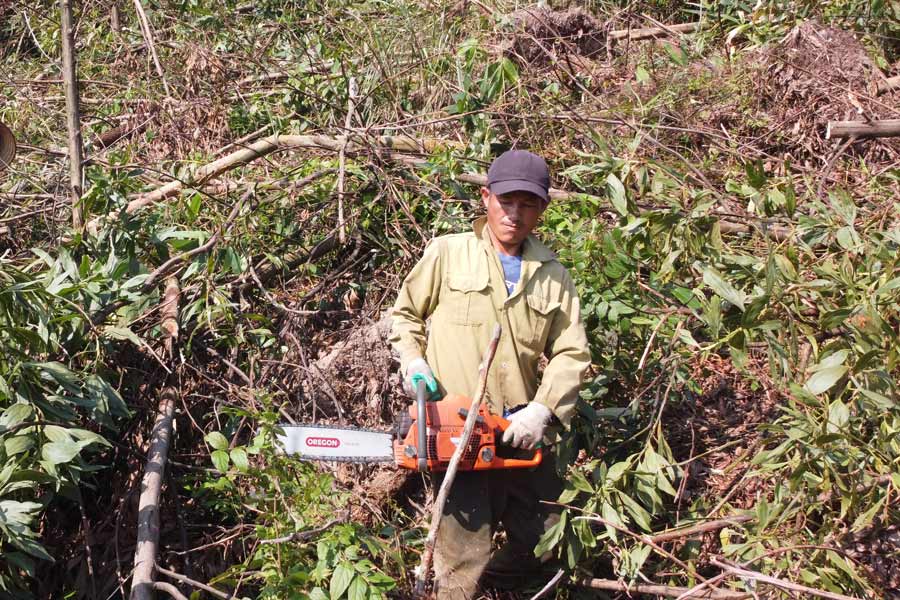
(541, 311)
(468, 299)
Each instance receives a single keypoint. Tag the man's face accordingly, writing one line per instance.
(512, 216)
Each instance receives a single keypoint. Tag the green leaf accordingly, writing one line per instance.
(18, 444)
(318, 594)
(239, 458)
(580, 483)
(865, 519)
(609, 513)
(340, 580)
(122, 333)
(723, 289)
(838, 416)
(637, 512)
(616, 193)
(220, 460)
(641, 75)
(105, 396)
(55, 433)
(217, 440)
(617, 470)
(889, 286)
(824, 379)
(358, 589)
(880, 400)
(552, 536)
(59, 373)
(15, 414)
(57, 453)
(832, 360)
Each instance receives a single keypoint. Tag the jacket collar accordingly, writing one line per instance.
(532, 248)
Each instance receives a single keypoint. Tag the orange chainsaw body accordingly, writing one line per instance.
(444, 426)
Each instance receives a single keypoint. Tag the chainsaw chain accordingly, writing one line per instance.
(346, 459)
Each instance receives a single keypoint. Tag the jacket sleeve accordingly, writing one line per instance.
(416, 301)
(569, 357)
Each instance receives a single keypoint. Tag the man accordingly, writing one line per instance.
(466, 283)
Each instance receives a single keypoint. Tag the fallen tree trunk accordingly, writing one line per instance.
(148, 507)
(142, 584)
(863, 129)
(670, 591)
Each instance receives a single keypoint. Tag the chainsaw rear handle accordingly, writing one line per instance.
(500, 426)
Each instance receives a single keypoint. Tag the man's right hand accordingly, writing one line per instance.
(419, 369)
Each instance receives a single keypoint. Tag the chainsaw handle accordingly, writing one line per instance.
(421, 425)
(517, 463)
(500, 425)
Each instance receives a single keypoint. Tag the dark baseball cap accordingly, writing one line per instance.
(519, 171)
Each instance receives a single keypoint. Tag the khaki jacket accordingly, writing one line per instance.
(459, 284)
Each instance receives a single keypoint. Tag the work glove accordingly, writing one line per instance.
(419, 370)
(526, 427)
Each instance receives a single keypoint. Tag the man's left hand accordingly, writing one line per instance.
(526, 427)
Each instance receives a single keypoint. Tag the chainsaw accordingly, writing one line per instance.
(422, 439)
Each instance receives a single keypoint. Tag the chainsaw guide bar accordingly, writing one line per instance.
(336, 443)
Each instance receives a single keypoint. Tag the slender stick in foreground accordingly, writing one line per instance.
(438, 510)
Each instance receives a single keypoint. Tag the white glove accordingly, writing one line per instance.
(419, 367)
(526, 427)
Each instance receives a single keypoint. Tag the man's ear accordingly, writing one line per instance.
(485, 196)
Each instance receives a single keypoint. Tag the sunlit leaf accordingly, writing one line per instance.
(824, 379)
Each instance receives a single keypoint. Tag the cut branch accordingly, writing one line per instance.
(891, 83)
(170, 589)
(670, 591)
(342, 158)
(438, 509)
(73, 115)
(147, 32)
(302, 536)
(677, 534)
(863, 129)
(195, 584)
(646, 33)
(781, 583)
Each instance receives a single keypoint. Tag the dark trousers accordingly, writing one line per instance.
(480, 500)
